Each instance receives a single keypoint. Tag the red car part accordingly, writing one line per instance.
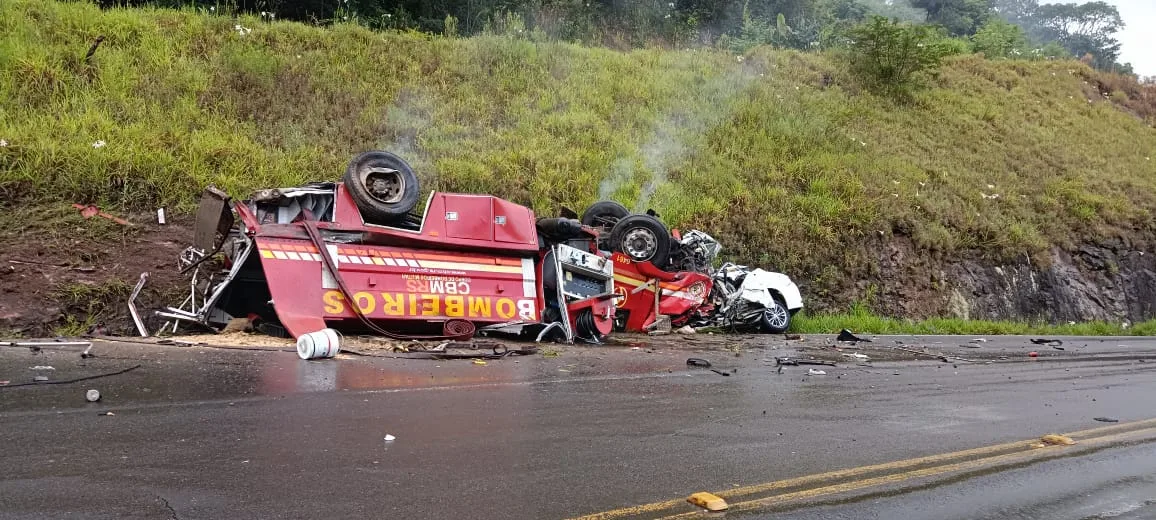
(634, 282)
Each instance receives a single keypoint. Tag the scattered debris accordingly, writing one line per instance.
(941, 357)
(858, 356)
(36, 345)
(161, 216)
(42, 367)
(479, 362)
(30, 262)
(697, 362)
(969, 346)
(720, 372)
(90, 211)
(1105, 419)
(1057, 348)
(1052, 439)
(979, 340)
(1049, 342)
(1033, 354)
(796, 362)
(318, 345)
(92, 396)
(708, 501)
(43, 380)
(686, 329)
(848, 336)
(793, 337)
(236, 325)
(813, 372)
(140, 327)
(110, 414)
(390, 438)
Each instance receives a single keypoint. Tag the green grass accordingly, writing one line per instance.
(87, 304)
(861, 323)
(753, 149)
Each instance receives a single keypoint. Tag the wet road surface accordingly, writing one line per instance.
(211, 433)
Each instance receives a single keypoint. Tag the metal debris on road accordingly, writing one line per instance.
(848, 336)
(92, 396)
(979, 340)
(813, 372)
(43, 380)
(42, 367)
(1105, 419)
(390, 438)
(720, 372)
(698, 362)
(38, 344)
(796, 362)
(1049, 342)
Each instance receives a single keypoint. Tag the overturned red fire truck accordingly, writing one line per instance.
(354, 256)
(351, 255)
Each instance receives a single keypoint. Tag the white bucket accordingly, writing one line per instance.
(316, 345)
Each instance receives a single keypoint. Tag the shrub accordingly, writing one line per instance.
(895, 58)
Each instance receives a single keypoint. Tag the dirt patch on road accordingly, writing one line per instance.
(66, 275)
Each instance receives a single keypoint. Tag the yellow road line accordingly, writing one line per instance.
(1009, 458)
(862, 470)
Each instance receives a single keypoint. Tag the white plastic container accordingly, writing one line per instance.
(324, 343)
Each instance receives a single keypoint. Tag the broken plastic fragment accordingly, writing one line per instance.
(813, 372)
(846, 335)
(1052, 439)
(708, 501)
(390, 438)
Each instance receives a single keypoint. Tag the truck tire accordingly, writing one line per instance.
(604, 214)
(383, 186)
(643, 238)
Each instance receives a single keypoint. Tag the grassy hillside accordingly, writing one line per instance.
(1003, 158)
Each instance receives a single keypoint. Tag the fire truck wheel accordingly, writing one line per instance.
(383, 186)
(604, 214)
(643, 238)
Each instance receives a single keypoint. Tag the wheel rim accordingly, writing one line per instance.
(384, 184)
(640, 244)
(776, 316)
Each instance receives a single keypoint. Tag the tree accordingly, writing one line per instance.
(958, 17)
(1000, 39)
(1088, 28)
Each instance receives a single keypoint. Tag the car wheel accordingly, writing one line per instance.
(383, 186)
(775, 319)
(643, 238)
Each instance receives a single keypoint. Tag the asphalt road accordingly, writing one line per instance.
(211, 433)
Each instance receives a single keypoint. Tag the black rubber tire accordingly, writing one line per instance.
(659, 254)
(374, 209)
(770, 325)
(603, 211)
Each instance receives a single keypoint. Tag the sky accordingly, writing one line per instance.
(1138, 39)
